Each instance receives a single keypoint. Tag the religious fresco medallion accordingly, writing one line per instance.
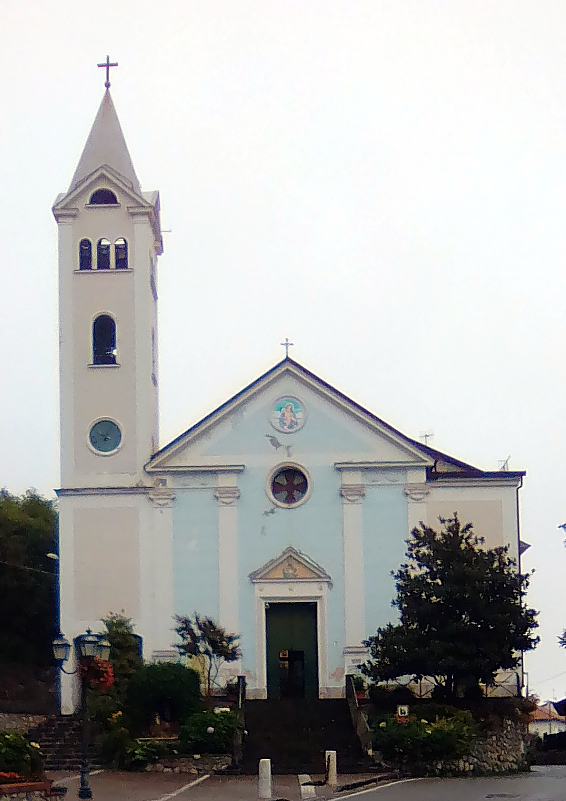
(288, 415)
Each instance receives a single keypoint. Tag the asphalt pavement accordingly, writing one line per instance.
(541, 784)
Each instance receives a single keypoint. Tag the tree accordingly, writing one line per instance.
(462, 609)
(27, 578)
(203, 637)
(124, 651)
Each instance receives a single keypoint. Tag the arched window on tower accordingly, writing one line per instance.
(121, 254)
(85, 254)
(103, 255)
(104, 340)
(103, 197)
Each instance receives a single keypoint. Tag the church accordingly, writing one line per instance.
(281, 514)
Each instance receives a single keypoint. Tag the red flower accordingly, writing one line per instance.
(97, 672)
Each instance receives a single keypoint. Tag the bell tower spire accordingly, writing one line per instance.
(109, 241)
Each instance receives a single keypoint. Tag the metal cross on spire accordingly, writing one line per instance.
(108, 64)
(287, 345)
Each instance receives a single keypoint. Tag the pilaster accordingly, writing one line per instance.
(417, 494)
(227, 495)
(352, 492)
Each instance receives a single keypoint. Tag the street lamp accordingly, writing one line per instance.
(89, 646)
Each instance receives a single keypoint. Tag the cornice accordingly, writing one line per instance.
(369, 465)
(62, 215)
(64, 491)
(197, 468)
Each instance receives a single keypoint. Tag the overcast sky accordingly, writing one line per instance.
(383, 182)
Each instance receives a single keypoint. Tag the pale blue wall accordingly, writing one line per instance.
(327, 430)
(195, 552)
(386, 529)
(315, 528)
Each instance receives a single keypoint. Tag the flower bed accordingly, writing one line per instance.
(207, 763)
(30, 791)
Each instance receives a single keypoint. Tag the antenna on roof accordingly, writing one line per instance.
(424, 436)
(504, 464)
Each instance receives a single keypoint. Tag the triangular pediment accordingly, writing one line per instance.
(102, 174)
(291, 565)
(244, 427)
(69, 204)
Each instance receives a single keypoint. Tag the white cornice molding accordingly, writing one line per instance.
(369, 465)
(101, 491)
(62, 215)
(196, 468)
(512, 481)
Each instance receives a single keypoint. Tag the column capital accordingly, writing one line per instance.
(352, 493)
(227, 496)
(416, 492)
(161, 496)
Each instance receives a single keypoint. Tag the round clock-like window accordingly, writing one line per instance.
(289, 486)
(105, 436)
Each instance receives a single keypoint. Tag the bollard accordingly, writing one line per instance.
(331, 776)
(264, 779)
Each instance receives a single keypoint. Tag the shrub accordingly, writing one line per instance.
(124, 650)
(113, 745)
(138, 754)
(196, 739)
(417, 744)
(169, 690)
(387, 700)
(18, 755)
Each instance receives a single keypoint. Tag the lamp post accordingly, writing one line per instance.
(89, 646)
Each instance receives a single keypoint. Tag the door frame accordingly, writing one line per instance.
(292, 591)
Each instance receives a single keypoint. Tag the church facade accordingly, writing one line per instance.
(281, 514)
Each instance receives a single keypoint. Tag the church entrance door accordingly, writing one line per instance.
(292, 652)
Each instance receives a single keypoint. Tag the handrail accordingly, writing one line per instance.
(359, 719)
(238, 741)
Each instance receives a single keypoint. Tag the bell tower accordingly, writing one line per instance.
(109, 241)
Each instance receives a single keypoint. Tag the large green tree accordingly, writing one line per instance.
(463, 615)
(28, 532)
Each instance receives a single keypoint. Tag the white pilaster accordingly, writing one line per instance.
(157, 602)
(227, 494)
(67, 257)
(352, 492)
(417, 494)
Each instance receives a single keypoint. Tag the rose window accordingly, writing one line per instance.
(289, 486)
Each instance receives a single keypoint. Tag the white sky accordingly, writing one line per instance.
(384, 182)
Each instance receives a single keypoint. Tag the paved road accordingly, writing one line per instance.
(542, 784)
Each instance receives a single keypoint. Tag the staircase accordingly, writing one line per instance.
(294, 734)
(59, 738)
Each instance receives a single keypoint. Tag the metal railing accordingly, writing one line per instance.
(359, 719)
